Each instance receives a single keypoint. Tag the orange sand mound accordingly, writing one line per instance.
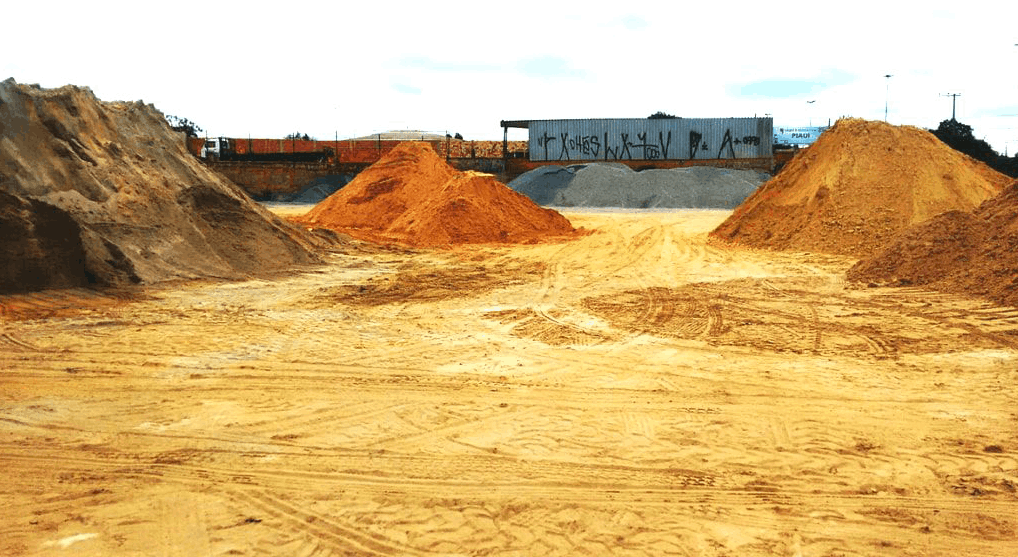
(856, 187)
(412, 197)
(974, 253)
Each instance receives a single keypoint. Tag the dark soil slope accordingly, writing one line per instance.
(40, 246)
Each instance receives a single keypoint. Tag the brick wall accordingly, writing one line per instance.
(364, 150)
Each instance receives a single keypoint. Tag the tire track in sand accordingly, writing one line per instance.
(296, 521)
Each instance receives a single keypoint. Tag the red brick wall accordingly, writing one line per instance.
(365, 150)
(264, 179)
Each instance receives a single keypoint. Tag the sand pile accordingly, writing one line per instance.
(974, 253)
(145, 210)
(412, 197)
(40, 246)
(617, 185)
(856, 187)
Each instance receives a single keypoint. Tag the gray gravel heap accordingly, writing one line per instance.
(317, 189)
(617, 185)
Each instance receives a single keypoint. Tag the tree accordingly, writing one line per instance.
(458, 136)
(183, 125)
(660, 116)
(959, 137)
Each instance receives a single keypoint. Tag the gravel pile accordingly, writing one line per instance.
(617, 185)
(317, 189)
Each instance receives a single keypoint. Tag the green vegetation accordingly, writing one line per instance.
(959, 137)
(183, 125)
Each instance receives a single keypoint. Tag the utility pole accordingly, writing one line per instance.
(954, 98)
(887, 94)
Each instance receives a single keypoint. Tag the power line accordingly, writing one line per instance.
(954, 98)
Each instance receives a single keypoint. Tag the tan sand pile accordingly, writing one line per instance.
(857, 186)
(412, 197)
(974, 253)
(146, 210)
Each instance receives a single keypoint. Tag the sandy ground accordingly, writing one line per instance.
(639, 391)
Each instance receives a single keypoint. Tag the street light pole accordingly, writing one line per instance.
(887, 94)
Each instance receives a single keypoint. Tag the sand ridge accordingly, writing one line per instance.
(857, 186)
(958, 251)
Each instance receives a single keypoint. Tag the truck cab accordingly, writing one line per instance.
(215, 147)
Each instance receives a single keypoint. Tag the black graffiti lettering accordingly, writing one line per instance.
(694, 143)
(608, 151)
(564, 153)
(655, 151)
(543, 141)
(586, 146)
(589, 145)
(727, 141)
(651, 151)
(626, 155)
(646, 147)
(647, 154)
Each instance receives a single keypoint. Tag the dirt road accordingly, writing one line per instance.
(638, 391)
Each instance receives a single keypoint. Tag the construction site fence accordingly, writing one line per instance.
(368, 150)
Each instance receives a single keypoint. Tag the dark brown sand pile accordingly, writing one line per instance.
(860, 184)
(974, 253)
(412, 197)
(40, 246)
(146, 210)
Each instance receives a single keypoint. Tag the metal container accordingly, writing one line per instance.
(622, 139)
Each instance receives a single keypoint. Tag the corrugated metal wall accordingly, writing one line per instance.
(650, 139)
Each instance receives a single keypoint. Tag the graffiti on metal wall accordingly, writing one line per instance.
(623, 146)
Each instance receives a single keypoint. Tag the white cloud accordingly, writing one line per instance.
(551, 68)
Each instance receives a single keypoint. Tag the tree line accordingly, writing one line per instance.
(959, 137)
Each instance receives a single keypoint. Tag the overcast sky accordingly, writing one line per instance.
(322, 68)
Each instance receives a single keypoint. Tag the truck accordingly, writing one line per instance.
(223, 149)
(215, 147)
